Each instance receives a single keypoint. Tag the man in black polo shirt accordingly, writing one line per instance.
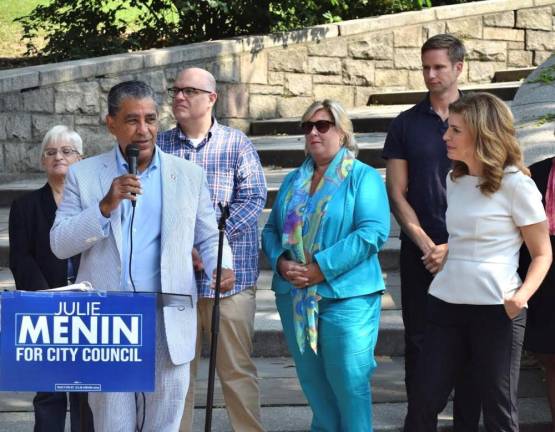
(417, 166)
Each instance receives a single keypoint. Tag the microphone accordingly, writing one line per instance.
(132, 154)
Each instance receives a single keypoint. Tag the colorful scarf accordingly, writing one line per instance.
(550, 199)
(302, 235)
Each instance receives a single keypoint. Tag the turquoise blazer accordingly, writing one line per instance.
(356, 226)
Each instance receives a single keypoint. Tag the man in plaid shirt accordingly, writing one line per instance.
(235, 176)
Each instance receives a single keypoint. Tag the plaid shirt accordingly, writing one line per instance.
(235, 176)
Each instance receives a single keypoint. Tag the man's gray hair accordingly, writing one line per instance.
(128, 89)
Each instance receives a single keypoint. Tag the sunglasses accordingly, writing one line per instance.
(322, 126)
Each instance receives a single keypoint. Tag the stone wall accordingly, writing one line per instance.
(274, 75)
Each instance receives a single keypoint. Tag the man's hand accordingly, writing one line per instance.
(197, 261)
(122, 188)
(227, 281)
(433, 260)
(514, 305)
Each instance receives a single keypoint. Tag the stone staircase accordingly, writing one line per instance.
(284, 407)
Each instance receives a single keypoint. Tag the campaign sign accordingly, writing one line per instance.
(77, 341)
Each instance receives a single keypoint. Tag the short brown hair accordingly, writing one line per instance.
(454, 46)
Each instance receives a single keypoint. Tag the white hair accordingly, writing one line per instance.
(62, 133)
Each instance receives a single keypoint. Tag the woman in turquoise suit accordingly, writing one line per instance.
(328, 223)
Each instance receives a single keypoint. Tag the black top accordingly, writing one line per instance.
(540, 174)
(416, 135)
(32, 262)
(540, 322)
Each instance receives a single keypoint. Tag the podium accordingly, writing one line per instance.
(77, 341)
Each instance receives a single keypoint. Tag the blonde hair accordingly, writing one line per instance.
(340, 118)
(491, 124)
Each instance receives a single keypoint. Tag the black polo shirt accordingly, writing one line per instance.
(416, 135)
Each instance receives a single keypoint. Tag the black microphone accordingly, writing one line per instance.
(132, 154)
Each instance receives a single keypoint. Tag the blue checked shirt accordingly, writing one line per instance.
(235, 176)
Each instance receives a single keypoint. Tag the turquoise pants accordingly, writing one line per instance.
(336, 381)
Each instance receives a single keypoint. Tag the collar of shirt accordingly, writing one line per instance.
(184, 138)
(123, 166)
(426, 106)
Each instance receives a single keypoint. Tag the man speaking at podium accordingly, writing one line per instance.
(153, 219)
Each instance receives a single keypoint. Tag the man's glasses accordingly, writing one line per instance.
(186, 91)
(65, 151)
(321, 126)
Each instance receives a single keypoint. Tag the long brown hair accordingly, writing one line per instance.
(491, 123)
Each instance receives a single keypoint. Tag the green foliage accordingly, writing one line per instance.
(546, 76)
(546, 118)
(84, 28)
(72, 28)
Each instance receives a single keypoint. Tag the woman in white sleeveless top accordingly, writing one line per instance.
(477, 302)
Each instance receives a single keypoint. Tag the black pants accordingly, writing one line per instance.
(51, 408)
(415, 281)
(461, 335)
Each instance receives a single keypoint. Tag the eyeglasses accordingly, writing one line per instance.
(65, 151)
(186, 91)
(322, 126)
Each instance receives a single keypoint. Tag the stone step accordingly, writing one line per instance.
(10, 190)
(504, 90)
(386, 417)
(365, 120)
(381, 110)
(394, 232)
(279, 384)
(269, 340)
(512, 74)
(288, 150)
(389, 255)
(284, 407)
(275, 176)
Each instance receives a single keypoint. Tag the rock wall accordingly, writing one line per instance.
(273, 75)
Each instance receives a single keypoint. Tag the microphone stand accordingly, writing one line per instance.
(224, 210)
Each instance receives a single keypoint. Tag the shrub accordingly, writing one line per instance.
(76, 29)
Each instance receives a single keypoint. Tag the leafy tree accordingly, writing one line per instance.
(76, 29)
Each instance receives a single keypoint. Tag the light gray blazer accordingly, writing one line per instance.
(188, 220)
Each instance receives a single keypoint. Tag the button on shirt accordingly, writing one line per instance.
(234, 175)
(416, 136)
(146, 231)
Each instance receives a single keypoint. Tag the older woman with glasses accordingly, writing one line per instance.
(35, 267)
(329, 220)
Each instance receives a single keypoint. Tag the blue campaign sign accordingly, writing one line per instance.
(77, 341)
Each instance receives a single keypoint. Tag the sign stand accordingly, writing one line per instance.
(224, 209)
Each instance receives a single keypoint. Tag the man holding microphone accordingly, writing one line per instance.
(142, 247)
